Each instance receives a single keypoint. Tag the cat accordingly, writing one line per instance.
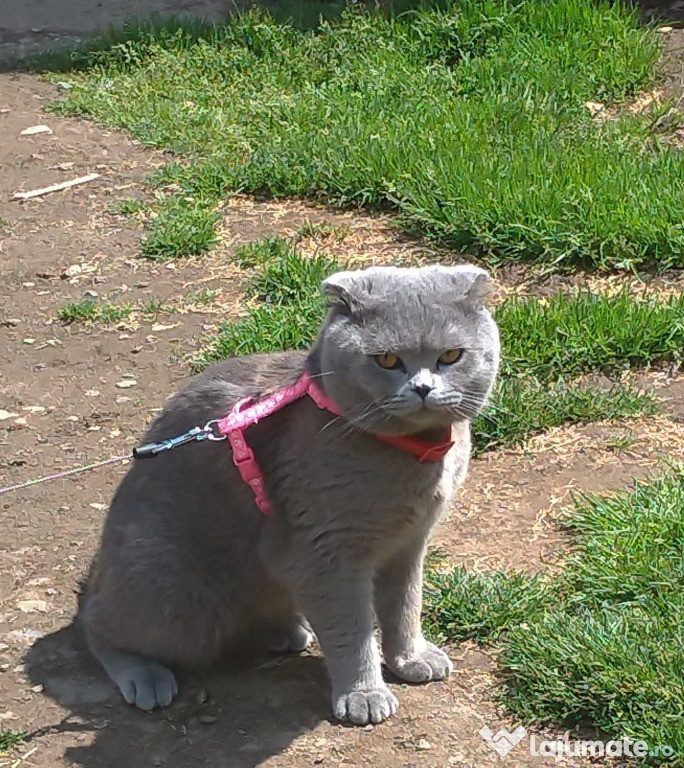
(189, 569)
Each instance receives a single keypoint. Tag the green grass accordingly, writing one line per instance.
(204, 298)
(283, 294)
(603, 641)
(570, 335)
(89, 311)
(521, 408)
(11, 739)
(468, 605)
(468, 119)
(129, 207)
(183, 226)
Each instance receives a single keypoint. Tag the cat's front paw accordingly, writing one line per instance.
(364, 707)
(431, 663)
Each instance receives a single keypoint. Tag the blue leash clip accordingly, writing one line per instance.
(194, 435)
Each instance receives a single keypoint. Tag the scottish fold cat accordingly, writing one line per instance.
(189, 568)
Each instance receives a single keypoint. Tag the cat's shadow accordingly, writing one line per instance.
(236, 716)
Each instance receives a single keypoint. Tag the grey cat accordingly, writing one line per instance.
(189, 569)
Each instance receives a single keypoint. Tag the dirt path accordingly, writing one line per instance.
(74, 394)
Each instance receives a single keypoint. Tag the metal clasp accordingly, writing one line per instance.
(212, 434)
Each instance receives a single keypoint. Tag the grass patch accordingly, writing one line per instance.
(289, 278)
(181, 227)
(464, 605)
(521, 408)
(285, 306)
(11, 739)
(600, 643)
(204, 298)
(325, 229)
(467, 118)
(129, 206)
(573, 334)
(89, 311)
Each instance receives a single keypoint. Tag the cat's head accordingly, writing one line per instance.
(408, 349)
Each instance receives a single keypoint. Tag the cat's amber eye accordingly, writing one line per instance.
(388, 361)
(451, 356)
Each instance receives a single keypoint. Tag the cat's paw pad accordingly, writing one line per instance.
(364, 707)
(422, 667)
(147, 684)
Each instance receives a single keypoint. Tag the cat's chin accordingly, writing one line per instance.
(413, 421)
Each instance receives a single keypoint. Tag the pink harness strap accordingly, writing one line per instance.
(247, 412)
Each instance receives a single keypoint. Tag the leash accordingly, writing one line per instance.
(66, 473)
(196, 434)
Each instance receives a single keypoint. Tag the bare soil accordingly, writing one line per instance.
(66, 399)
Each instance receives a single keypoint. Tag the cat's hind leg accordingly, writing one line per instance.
(291, 636)
(142, 681)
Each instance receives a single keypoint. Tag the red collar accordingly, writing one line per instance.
(422, 449)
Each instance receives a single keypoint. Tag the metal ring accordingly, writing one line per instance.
(212, 435)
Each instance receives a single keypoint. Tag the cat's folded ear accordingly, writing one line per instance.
(469, 283)
(345, 290)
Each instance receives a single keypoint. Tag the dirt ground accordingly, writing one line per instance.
(74, 394)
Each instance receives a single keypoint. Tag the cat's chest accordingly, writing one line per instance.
(322, 476)
(376, 494)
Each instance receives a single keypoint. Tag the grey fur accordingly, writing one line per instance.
(189, 569)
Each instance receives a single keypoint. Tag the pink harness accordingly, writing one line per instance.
(247, 412)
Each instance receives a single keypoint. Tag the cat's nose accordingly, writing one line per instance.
(423, 390)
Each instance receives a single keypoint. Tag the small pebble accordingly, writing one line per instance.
(32, 606)
(91, 294)
(207, 719)
(126, 383)
(29, 341)
(37, 689)
(424, 744)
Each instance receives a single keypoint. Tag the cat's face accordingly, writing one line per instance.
(405, 350)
